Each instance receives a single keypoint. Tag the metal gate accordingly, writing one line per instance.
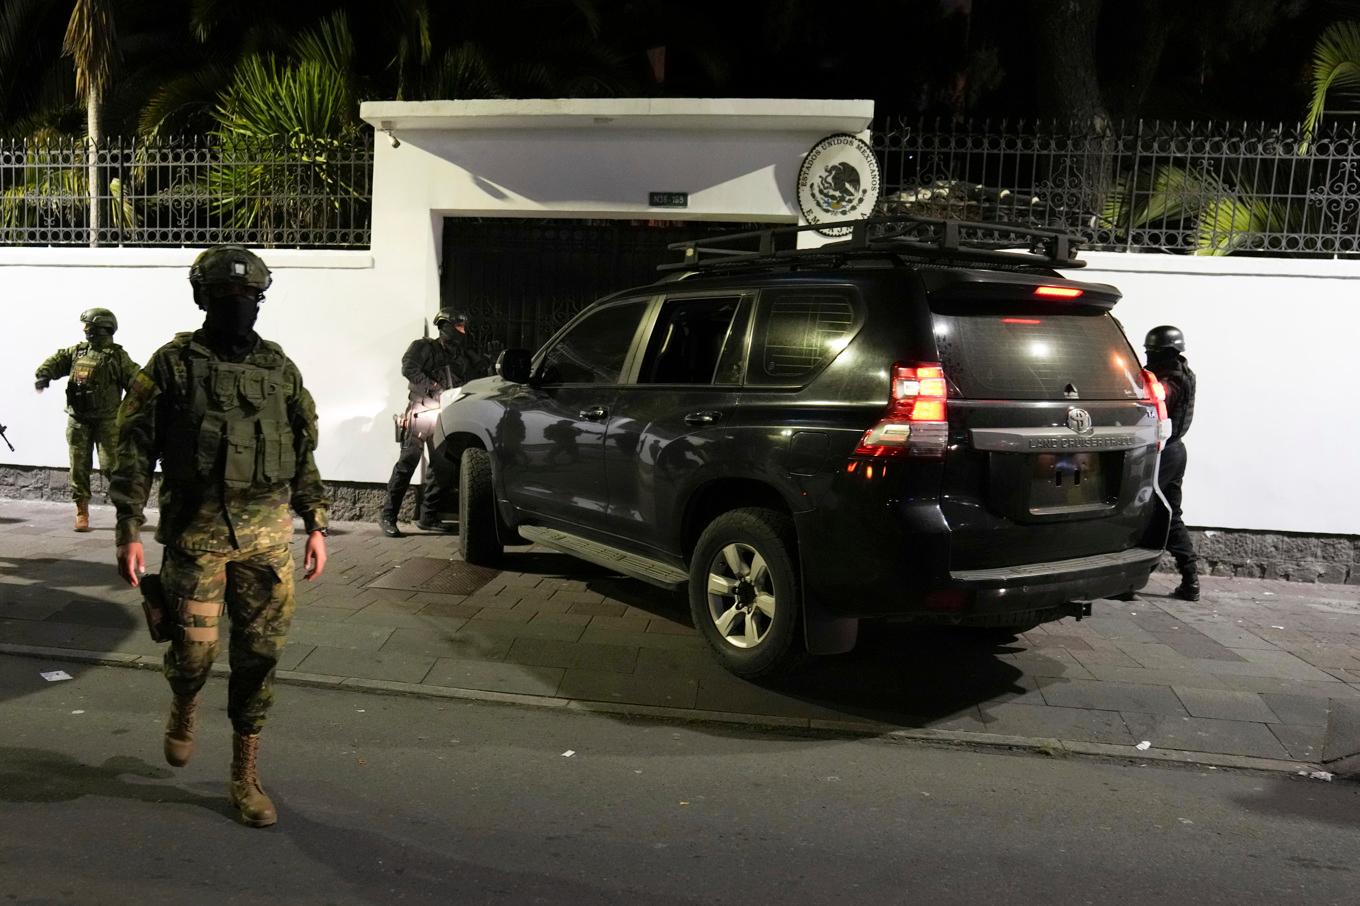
(520, 280)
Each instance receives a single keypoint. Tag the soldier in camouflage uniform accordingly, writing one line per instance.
(100, 370)
(228, 417)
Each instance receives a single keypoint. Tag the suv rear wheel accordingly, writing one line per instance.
(477, 540)
(744, 594)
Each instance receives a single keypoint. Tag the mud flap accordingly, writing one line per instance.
(825, 632)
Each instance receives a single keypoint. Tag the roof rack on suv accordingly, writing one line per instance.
(899, 239)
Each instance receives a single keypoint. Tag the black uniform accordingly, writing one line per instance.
(1175, 374)
(430, 367)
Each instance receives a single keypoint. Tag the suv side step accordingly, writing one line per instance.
(626, 562)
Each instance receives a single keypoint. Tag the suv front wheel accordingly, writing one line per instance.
(744, 594)
(477, 540)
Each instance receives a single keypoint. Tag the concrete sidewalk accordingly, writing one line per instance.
(1259, 673)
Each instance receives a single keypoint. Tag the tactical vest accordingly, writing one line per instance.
(92, 390)
(230, 420)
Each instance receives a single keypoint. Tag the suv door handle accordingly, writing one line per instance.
(594, 414)
(702, 418)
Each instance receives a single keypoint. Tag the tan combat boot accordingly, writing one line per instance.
(82, 515)
(249, 799)
(179, 729)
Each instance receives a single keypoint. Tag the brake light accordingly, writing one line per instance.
(1058, 292)
(1157, 393)
(916, 423)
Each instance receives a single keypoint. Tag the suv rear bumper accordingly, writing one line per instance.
(1033, 586)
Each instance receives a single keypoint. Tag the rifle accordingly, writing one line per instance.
(6, 439)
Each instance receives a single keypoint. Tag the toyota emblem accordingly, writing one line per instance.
(1079, 420)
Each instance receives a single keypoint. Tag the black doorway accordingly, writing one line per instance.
(521, 279)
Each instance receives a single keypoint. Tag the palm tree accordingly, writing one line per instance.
(92, 43)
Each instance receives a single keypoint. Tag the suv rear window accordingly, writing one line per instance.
(1015, 353)
(799, 331)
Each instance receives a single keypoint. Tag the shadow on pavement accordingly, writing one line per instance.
(37, 775)
(901, 675)
(1337, 803)
(912, 677)
(66, 603)
(385, 869)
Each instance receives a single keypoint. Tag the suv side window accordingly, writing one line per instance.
(798, 331)
(695, 341)
(594, 349)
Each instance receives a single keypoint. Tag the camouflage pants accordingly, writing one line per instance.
(82, 438)
(257, 589)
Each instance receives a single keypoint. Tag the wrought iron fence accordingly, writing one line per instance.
(1201, 188)
(294, 193)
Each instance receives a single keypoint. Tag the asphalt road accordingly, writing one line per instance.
(401, 800)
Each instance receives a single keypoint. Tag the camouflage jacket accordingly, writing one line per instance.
(235, 440)
(111, 373)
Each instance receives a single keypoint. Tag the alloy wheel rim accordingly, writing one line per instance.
(741, 599)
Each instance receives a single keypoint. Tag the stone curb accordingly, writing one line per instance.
(888, 732)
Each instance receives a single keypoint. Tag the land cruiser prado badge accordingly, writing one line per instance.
(839, 180)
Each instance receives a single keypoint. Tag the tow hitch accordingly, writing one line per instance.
(1077, 609)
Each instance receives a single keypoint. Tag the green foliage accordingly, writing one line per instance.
(280, 124)
(53, 190)
(267, 99)
(1225, 217)
(1336, 65)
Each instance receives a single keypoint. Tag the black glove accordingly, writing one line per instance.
(41, 385)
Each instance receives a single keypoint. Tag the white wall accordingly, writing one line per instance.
(1273, 344)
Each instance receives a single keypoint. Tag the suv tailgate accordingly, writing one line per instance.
(1053, 447)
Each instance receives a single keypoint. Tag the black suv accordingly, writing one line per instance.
(919, 423)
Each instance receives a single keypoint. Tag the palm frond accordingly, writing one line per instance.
(463, 72)
(329, 43)
(183, 99)
(1336, 65)
(1234, 222)
(267, 99)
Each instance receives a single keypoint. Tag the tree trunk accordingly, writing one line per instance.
(93, 141)
(1069, 88)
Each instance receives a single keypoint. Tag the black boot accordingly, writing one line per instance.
(430, 523)
(388, 524)
(1188, 590)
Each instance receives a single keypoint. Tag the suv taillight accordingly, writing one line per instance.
(916, 423)
(1157, 393)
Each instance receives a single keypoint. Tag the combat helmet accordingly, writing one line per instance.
(454, 315)
(1164, 337)
(100, 318)
(231, 265)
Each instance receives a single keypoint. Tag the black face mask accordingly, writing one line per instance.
(98, 337)
(1162, 356)
(231, 317)
(450, 335)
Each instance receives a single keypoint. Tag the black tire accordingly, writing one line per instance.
(749, 638)
(477, 540)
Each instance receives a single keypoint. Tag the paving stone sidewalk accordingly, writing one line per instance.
(1261, 669)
